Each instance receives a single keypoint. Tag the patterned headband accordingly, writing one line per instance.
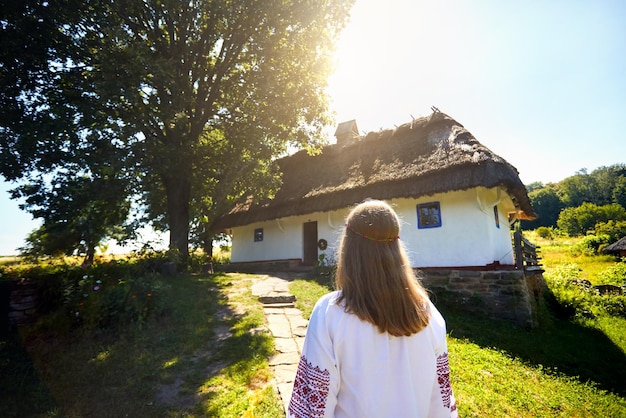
(348, 227)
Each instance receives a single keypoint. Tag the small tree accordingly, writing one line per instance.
(579, 220)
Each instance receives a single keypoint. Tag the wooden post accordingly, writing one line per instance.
(519, 253)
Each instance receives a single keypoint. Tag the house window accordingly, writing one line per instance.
(428, 215)
(496, 216)
(258, 234)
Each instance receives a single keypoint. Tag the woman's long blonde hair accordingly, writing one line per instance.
(374, 274)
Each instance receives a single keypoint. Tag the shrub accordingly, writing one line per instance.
(106, 294)
(98, 299)
(568, 299)
(590, 245)
(197, 259)
(325, 269)
(613, 305)
(578, 220)
(545, 232)
(614, 275)
(614, 229)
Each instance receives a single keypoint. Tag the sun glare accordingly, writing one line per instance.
(390, 62)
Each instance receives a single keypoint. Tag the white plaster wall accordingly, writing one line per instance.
(468, 235)
(284, 239)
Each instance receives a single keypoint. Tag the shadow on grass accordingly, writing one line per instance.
(159, 368)
(22, 393)
(564, 346)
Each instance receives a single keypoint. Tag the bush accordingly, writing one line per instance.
(577, 221)
(614, 275)
(107, 294)
(569, 300)
(545, 232)
(590, 245)
(614, 229)
(98, 300)
(325, 269)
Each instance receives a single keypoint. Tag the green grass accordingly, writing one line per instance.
(206, 356)
(307, 292)
(563, 368)
(558, 251)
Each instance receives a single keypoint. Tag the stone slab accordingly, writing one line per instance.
(285, 345)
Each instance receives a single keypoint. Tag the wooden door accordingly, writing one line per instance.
(309, 234)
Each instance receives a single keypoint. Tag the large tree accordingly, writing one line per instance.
(195, 97)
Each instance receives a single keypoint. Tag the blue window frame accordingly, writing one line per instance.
(496, 216)
(428, 215)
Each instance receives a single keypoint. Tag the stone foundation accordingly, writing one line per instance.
(292, 264)
(23, 301)
(510, 295)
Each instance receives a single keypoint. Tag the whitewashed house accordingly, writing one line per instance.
(456, 199)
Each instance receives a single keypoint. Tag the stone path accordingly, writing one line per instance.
(286, 325)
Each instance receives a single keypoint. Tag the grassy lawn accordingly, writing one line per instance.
(559, 251)
(205, 357)
(564, 368)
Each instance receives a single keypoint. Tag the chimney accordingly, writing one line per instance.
(346, 132)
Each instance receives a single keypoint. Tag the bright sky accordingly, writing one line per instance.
(540, 83)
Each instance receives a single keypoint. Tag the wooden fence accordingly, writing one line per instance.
(526, 257)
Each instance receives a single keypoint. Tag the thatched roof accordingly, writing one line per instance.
(617, 247)
(429, 155)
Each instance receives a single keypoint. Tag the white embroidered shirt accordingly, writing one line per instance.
(350, 369)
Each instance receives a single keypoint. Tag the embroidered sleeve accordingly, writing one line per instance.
(446, 397)
(316, 384)
(310, 391)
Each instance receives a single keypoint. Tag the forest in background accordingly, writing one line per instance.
(584, 204)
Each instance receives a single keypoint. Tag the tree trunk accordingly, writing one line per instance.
(178, 192)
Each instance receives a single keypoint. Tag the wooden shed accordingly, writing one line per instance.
(617, 248)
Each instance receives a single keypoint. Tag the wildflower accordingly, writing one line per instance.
(85, 295)
(77, 313)
(85, 277)
(96, 288)
(98, 281)
(149, 294)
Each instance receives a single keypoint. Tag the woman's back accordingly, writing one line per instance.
(377, 346)
(360, 372)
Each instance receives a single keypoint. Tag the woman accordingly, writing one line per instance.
(375, 347)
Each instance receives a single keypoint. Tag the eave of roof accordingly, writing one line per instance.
(617, 246)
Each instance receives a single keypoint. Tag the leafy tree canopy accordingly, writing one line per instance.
(547, 205)
(187, 102)
(581, 219)
(603, 186)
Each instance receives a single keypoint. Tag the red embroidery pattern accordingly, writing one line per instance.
(443, 377)
(310, 391)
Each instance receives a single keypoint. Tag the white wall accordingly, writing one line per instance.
(468, 235)
(284, 239)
